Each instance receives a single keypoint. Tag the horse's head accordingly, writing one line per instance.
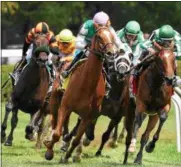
(103, 43)
(41, 49)
(122, 63)
(166, 63)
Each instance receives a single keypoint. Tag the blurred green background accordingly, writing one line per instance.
(19, 17)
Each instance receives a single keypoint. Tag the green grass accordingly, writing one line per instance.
(24, 154)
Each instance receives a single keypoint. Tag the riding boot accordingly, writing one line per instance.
(68, 69)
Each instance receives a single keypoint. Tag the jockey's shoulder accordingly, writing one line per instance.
(120, 32)
(88, 23)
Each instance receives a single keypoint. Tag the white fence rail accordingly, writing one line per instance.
(176, 99)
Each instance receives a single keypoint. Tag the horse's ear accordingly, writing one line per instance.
(96, 26)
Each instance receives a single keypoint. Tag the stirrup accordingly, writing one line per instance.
(65, 74)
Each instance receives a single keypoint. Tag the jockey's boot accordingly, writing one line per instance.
(67, 71)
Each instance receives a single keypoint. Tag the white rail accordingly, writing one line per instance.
(176, 99)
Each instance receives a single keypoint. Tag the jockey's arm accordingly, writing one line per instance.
(177, 40)
(81, 42)
(28, 41)
(53, 46)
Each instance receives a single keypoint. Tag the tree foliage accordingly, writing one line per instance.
(69, 14)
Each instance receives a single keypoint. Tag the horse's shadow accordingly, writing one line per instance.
(92, 155)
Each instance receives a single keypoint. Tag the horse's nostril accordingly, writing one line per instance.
(109, 53)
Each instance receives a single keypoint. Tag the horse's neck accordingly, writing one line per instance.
(117, 88)
(154, 77)
(33, 74)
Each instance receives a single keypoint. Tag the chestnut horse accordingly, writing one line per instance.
(30, 90)
(85, 91)
(154, 91)
(116, 106)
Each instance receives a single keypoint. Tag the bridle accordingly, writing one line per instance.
(101, 52)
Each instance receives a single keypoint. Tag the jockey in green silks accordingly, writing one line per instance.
(167, 37)
(132, 35)
(86, 33)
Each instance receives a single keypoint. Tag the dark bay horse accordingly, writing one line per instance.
(85, 91)
(155, 88)
(30, 90)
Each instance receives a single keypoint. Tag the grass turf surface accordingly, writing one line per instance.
(24, 154)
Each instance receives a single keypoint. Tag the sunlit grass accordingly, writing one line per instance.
(24, 154)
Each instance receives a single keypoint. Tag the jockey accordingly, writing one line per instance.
(86, 34)
(132, 35)
(43, 29)
(66, 44)
(167, 37)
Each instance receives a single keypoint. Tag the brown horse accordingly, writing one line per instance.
(154, 91)
(85, 90)
(30, 91)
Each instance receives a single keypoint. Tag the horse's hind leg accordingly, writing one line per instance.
(163, 117)
(8, 109)
(144, 139)
(14, 121)
(106, 134)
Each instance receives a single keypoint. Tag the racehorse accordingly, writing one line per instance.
(30, 91)
(84, 99)
(115, 107)
(157, 80)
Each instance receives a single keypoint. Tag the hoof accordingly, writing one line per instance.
(113, 144)
(120, 140)
(76, 159)
(8, 143)
(49, 155)
(138, 161)
(63, 160)
(98, 153)
(150, 147)
(30, 137)
(86, 142)
(65, 146)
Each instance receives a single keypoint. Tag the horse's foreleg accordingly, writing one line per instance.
(121, 136)
(14, 121)
(55, 136)
(76, 141)
(106, 134)
(89, 134)
(163, 117)
(113, 142)
(137, 124)
(144, 139)
(68, 137)
(8, 109)
(129, 121)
